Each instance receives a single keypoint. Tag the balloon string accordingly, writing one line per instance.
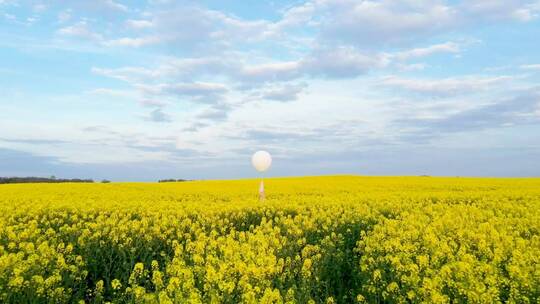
(261, 191)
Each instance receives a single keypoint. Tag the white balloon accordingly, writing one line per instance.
(261, 160)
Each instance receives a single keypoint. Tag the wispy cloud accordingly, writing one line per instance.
(445, 86)
(139, 24)
(448, 47)
(81, 30)
(500, 113)
(530, 66)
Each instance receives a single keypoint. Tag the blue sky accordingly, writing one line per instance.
(141, 90)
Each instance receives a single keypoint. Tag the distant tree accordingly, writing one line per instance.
(105, 181)
(172, 180)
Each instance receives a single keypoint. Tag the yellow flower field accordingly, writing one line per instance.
(340, 239)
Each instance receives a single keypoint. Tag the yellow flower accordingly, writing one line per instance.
(116, 284)
(396, 240)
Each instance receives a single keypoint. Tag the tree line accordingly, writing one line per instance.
(53, 179)
(32, 179)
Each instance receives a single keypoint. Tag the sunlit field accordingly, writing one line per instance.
(313, 240)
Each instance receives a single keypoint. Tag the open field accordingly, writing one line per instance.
(319, 239)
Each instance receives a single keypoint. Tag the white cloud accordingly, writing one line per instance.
(128, 74)
(229, 27)
(172, 68)
(342, 62)
(196, 88)
(64, 16)
(139, 24)
(39, 7)
(338, 62)
(530, 67)
(445, 86)
(448, 47)
(370, 24)
(296, 16)
(276, 71)
(206, 28)
(31, 20)
(134, 42)
(288, 92)
(204, 92)
(110, 4)
(501, 10)
(112, 92)
(411, 67)
(152, 103)
(80, 30)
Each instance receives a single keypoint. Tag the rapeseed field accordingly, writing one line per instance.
(335, 239)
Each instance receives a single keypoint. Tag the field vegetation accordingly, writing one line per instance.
(340, 239)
